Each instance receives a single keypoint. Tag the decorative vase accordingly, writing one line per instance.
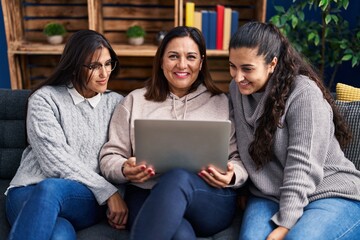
(136, 40)
(57, 39)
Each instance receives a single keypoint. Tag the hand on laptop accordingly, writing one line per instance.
(217, 178)
(137, 172)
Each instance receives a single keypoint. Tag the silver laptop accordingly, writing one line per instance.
(188, 144)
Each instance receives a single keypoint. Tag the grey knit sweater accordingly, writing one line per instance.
(308, 163)
(65, 139)
(198, 105)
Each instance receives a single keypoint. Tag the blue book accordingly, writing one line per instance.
(234, 22)
(205, 26)
(212, 30)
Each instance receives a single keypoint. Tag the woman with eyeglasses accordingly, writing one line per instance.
(58, 188)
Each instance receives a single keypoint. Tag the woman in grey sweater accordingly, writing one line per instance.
(178, 204)
(58, 188)
(289, 136)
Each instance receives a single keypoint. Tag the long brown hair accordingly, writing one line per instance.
(157, 88)
(271, 43)
(79, 48)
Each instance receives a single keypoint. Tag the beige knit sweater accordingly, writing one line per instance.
(197, 105)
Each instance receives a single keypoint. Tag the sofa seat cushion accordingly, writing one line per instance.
(103, 231)
(4, 225)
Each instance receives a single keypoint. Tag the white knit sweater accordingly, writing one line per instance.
(65, 139)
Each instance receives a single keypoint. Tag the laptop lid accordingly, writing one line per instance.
(188, 144)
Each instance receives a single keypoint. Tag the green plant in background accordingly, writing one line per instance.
(326, 43)
(135, 32)
(54, 29)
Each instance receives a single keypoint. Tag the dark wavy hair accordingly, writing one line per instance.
(270, 43)
(157, 88)
(79, 49)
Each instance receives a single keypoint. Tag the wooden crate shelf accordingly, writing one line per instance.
(32, 59)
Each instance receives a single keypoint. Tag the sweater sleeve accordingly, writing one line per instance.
(241, 174)
(56, 158)
(310, 127)
(118, 148)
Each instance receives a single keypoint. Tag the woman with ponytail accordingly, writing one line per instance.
(290, 137)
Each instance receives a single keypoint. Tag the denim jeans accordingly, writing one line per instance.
(180, 206)
(323, 219)
(52, 209)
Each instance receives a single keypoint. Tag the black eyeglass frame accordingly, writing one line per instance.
(98, 66)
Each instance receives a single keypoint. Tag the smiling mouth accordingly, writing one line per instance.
(182, 74)
(244, 83)
(102, 81)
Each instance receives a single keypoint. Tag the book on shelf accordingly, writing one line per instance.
(197, 19)
(212, 30)
(234, 22)
(227, 28)
(219, 26)
(205, 26)
(189, 14)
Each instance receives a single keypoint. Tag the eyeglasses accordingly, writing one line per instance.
(109, 66)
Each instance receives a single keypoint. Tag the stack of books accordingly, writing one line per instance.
(217, 26)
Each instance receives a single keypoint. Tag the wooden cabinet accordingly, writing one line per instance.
(31, 58)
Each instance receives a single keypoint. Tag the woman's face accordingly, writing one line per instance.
(249, 70)
(98, 76)
(181, 64)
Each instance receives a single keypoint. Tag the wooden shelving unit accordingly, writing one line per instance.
(31, 58)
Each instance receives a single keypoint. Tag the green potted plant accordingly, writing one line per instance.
(55, 32)
(327, 43)
(135, 35)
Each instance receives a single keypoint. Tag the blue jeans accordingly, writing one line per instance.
(323, 219)
(180, 206)
(52, 209)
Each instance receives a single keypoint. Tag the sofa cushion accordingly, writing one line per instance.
(4, 225)
(351, 113)
(347, 93)
(12, 130)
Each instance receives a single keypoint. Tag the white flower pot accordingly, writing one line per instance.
(55, 39)
(136, 41)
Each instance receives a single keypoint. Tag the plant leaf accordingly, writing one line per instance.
(280, 9)
(355, 61)
(346, 57)
(328, 18)
(294, 21)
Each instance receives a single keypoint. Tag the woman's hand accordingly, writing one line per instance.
(278, 233)
(137, 173)
(215, 178)
(117, 213)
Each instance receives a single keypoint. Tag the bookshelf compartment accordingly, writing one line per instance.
(249, 10)
(152, 15)
(36, 14)
(31, 59)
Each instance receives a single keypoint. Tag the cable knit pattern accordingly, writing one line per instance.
(308, 163)
(65, 140)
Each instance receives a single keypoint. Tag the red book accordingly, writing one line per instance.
(219, 26)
